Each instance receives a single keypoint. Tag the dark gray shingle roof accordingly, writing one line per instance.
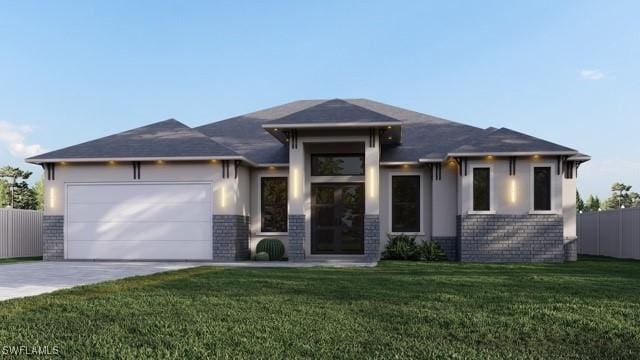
(169, 138)
(508, 141)
(334, 111)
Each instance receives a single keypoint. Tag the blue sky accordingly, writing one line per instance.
(566, 71)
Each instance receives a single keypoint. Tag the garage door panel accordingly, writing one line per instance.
(139, 221)
(139, 212)
(131, 231)
(140, 250)
(150, 193)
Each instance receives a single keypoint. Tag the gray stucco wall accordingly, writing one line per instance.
(53, 237)
(372, 237)
(511, 238)
(296, 237)
(230, 237)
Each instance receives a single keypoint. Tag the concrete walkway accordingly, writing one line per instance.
(39, 277)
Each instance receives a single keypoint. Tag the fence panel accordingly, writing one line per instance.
(614, 233)
(20, 233)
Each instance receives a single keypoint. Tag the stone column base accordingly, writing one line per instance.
(296, 237)
(372, 237)
(230, 237)
(52, 237)
(571, 250)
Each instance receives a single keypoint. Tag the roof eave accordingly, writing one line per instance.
(38, 161)
(512, 153)
(352, 125)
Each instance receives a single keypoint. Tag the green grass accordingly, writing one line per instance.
(588, 309)
(19, 259)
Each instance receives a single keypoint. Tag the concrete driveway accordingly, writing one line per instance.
(38, 277)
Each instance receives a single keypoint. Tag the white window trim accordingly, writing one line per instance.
(492, 192)
(532, 199)
(406, 173)
(259, 210)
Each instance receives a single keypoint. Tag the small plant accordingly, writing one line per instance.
(273, 247)
(401, 247)
(431, 251)
(262, 256)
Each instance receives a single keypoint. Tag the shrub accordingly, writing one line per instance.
(431, 251)
(262, 256)
(401, 247)
(273, 247)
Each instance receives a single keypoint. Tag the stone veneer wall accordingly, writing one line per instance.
(571, 250)
(449, 245)
(52, 237)
(230, 237)
(296, 237)
(372, 237)
(511, 238)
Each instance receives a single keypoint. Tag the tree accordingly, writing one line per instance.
(593, 203)
(621, 195)
(17, 193)
(38, 190)
(579, 202)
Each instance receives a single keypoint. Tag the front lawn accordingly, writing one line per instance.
(588, 309)
(19, 259)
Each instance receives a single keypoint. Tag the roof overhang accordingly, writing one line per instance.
(123, 159)
(514, 153)
(392, 129)
(579, 157)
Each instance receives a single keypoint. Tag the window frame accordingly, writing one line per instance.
(361, 155)
(532, 194)
(273, 233)
(421, 201)
(492, 188)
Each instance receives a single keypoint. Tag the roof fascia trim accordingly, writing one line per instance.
(153, 158)
(329, 125)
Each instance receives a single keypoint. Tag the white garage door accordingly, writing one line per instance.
(139, 221)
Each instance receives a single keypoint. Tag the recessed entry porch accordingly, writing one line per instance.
(335, 186)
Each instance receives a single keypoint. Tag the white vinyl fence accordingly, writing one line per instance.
(20, 233)
(614, 233)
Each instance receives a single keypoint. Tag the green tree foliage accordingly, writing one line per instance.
(621, 195)
(38, 190)
(16, 191)
(579, 202)
(593, 203)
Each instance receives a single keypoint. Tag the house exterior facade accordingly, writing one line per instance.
(330, 178)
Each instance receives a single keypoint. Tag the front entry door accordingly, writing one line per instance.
(337, 218)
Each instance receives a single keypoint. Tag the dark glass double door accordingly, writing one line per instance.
(337, 218)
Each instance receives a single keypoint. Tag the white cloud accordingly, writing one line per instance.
(12, 137)
(592, 74)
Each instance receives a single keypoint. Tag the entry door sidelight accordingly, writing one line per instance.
(337, 218)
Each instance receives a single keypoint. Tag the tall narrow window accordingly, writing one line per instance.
(542, 188)
(481, 189)
(405, 204)
(273, 204)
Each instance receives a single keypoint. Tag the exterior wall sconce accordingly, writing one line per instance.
(295, 189)
(372, 184)
(52, 198)
(223, 197)
(513, 191)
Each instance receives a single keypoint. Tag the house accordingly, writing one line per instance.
(330, 178)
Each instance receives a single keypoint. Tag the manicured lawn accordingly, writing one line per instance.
(588, 309)
(20, 259)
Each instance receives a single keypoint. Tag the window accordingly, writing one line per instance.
(337, 165)
(273, 204)
(481, 189)
(405, 204)
(542, 188)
